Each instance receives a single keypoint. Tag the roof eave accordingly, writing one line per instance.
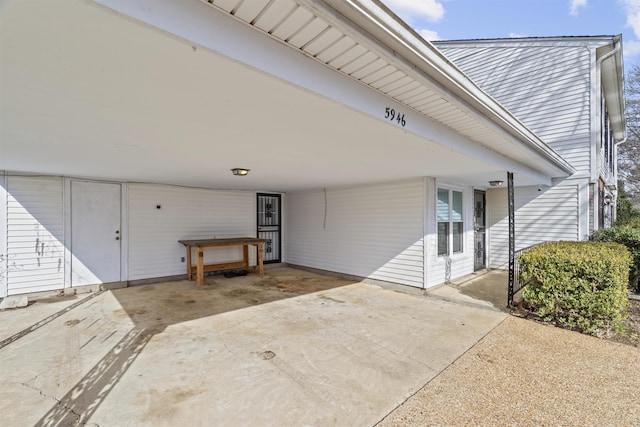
(612, 75)
(388, 29)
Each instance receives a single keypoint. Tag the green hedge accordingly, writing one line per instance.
(629, 236)
(580, 285)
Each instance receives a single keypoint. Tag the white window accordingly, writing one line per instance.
(450, 224)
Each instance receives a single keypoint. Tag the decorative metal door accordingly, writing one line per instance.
(480, 229)
(269, 226)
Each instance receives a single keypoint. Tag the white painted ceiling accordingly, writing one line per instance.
(88, 93)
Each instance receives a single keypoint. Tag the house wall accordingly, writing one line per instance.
(185, 213)
(547, 87)
(385, 232)
(34, 244)
(545, 215)
(35, 251)
(374, 231)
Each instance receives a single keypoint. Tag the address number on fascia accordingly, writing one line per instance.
(394, 116)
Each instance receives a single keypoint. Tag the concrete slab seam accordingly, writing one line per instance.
(466, 303)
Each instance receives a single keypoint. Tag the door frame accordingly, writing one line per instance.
(124, 228)
(477, 192)
(280, 216)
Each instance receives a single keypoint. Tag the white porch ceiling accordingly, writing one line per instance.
(86, 92)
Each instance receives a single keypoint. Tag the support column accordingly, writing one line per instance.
(512, 237)
(4, 255)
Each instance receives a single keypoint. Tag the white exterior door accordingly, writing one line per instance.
(95, 232)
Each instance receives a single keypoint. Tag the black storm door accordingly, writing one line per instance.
(480, 230)
(269, 223)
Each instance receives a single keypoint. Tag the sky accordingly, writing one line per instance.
(479, 19)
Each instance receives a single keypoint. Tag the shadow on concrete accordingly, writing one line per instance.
(154, 307)
(488, 285)
(483, 288)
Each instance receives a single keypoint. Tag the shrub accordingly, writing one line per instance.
(629, 236)
(581, 285)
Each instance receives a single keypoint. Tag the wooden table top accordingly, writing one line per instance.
(222, 242)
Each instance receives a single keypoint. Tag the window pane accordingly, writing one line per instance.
(457, 237)
(443, 205)
(456, 214)
(443, 238)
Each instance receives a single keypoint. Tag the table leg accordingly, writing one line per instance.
(260, 266)
(245, 253)
(200, 281)
(189, 275)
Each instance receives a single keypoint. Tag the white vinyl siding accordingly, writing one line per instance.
(547, 215)
(184, 213)
(35, 234)
(372, 231)
(546, 87)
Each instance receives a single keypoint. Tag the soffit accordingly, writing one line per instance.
(320, 32)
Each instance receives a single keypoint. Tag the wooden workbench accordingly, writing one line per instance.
(202, 244)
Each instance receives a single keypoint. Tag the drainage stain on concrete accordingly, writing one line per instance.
(267, 355)
(236, 292)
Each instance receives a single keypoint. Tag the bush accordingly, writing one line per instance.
(629, 236)
(581, 285)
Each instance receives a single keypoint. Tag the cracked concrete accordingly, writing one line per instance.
(295, 348)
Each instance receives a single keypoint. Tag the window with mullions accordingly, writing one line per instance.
(450, 224)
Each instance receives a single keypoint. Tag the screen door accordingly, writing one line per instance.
(269, 223)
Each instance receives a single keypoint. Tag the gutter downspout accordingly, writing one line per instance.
(615, 165)
(609, 54)
(599, 78)
(615, 174)
(599, 61)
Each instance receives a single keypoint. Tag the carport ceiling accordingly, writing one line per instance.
(88, 93)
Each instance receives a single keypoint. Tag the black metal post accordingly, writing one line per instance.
(512, 237)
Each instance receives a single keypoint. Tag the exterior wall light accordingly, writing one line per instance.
(240, 171)
(607, 199)
(496, 183)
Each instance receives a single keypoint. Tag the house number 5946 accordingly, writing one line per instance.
(393, 115)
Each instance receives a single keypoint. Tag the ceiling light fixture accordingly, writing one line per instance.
(240, 171)
(496, 183)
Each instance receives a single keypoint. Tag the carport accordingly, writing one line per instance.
(134, 94)
(122, 121)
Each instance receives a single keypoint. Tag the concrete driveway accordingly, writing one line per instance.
(293, 349)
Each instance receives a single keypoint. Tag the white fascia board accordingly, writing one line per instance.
(561, 41)
(377, 20)
(198, 23)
